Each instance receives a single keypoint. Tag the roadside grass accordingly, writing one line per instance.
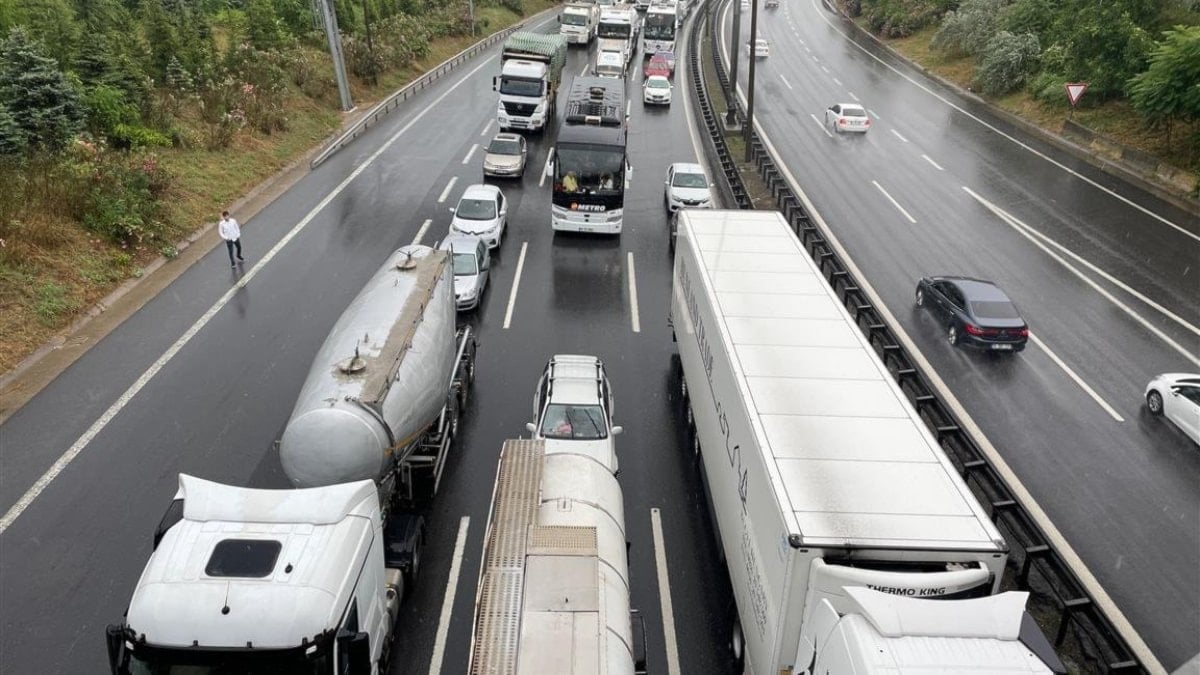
(52, 270)
(1115, 119)
(760, 196)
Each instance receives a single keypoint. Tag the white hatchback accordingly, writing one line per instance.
(573, 408)
(656, 90)
(483, 212)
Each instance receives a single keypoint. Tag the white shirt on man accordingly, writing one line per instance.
(229, 229)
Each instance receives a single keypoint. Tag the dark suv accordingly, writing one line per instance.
(975, 313)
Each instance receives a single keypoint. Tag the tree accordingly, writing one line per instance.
(1169, 89)
(40, 99)
(1007, 62)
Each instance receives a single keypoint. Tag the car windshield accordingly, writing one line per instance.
(852, 111)
(689, 180)
(760, 42)
(994, 309)
(656, 83)
(464, 265)
(574, 422)
(502, 146)
(476, 209)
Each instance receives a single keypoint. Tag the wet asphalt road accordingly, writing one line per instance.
(1106, 276)
(1124, 493)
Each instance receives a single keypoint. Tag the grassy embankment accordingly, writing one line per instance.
(52, 269)
(1116, 120)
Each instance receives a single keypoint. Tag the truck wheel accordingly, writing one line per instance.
(737, 643)
(414, 566)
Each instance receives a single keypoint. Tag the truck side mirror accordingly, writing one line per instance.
(531, 427)
(114, 635)
(495, 83)
(617, 430)
(358, 649)
(638, 625)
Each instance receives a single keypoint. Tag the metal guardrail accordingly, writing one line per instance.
(390, 103)
(1034, 564)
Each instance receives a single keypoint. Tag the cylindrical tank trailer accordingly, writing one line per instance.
(385, 389)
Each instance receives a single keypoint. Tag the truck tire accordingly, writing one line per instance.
(414, 568)
(737, 643)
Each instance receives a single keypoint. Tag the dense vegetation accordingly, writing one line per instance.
(1143, 51)
(111, 111)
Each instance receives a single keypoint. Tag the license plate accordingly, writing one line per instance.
(1002, 347)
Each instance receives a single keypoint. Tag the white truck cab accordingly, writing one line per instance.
(291, 581)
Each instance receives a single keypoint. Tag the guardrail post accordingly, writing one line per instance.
(1032, 554)
(1069, 607)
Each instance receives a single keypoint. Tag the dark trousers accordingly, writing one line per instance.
(230, 245)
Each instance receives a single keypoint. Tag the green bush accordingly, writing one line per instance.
(107, 108)
(137, 137)
(968, 29)
(1006, 62)
(53, 303)
(900, 18)
(125, 197)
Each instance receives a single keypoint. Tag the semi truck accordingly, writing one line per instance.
(618, 31)
(306, 580)
(530, 71)
(852, 545)
(578, 22)
(553, 591)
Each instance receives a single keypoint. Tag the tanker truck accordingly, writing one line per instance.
(553, 592)
(309, 580)
(851, 543)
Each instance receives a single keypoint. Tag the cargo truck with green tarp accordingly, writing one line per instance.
(530, 72)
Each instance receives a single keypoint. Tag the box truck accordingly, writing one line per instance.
(851, 543)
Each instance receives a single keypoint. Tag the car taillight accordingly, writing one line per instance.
(1024, 332)
(841, 122)
(867, 122)
(976, 330)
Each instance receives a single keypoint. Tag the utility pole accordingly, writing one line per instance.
(471, 5)
(749, 131)
(370, 45)
(335, 51)
(731, 120)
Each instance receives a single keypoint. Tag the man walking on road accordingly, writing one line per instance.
(232, 234)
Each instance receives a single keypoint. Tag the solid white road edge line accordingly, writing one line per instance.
(512, 295)
(1019, 143)
(633, 299)
(896, 133)
(449, 187)
(664, 594)
(421, 232)
(1103, 600)
(1078, 380)
(439, 644)
(1028, 233)
(471, 151)
(894, 202)
(77, 447)
(935, 164)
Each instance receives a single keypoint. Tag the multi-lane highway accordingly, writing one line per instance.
(203, 378)
(1105, 276)
(241, 344)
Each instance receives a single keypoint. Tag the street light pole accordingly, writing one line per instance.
(731, 96)
(749, 132)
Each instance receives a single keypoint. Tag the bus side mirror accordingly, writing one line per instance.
(114, 635)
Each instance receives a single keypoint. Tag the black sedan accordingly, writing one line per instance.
(975, 313)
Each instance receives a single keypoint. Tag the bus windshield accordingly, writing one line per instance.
(659, 27)
(617, 31)
(589, 168)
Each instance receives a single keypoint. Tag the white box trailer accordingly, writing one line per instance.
(828, 491)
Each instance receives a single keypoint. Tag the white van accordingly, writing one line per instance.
(609, 64)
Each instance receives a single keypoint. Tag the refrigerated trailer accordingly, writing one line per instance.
(852, 544)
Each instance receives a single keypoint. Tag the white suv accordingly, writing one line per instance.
(572, 409)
